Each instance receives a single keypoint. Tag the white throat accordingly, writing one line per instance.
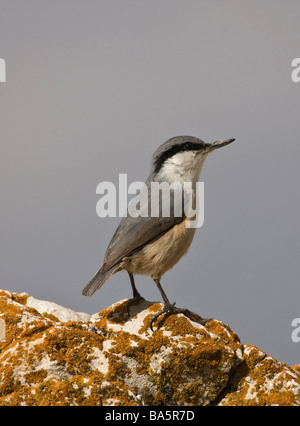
(183, 167)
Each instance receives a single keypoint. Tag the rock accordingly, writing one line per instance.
(54, 356)
(61, 313)
(296, 368)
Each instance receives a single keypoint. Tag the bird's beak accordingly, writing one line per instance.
(218, 144)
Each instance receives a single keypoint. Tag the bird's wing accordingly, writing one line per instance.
(134, 232)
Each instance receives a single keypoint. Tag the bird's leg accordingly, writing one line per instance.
(169, 308)
(134, 289)
(136, 295)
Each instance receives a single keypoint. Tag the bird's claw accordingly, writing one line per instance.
(135, 299)
(169, 309)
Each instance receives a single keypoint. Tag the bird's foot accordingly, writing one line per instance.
(169, 309)
(137, 298)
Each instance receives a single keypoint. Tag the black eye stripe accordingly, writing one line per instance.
(190, 146)
(186, 146)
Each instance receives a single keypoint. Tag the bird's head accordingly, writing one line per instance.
(181, 158)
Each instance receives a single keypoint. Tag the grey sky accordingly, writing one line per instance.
(93, 87)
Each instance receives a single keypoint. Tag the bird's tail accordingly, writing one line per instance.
(97, 281)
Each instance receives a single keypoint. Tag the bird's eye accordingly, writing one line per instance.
(188, 146)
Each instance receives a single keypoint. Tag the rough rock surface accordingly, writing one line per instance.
(54, 356)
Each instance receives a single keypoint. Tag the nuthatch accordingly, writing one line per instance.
(153, 245)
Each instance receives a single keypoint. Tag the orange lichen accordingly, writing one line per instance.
(296, 368)
(183, 362)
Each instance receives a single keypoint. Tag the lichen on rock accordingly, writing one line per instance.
(54, 356)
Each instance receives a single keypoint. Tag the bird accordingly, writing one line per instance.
(151, 245)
